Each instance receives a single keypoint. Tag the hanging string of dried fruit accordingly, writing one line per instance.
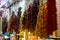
(14, 22)
(18, 18)
(1, 12)
(34, 12)
(29, 18)
(51, 17)
(12, 25)
(4, 25)
(41, 21)
(24, 20)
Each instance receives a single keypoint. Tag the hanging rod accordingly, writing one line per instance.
(12, 4)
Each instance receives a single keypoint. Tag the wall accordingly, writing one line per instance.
(58, 17)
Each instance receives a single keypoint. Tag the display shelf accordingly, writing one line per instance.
(55, 38)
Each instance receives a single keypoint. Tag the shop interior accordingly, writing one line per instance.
(29, 19)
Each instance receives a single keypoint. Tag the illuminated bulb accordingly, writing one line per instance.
(29, 32)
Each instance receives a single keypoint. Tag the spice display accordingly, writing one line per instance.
(34, 13)
(41, 21)
(24, 20)
(51, 17)
(4, 24)
(13, 26)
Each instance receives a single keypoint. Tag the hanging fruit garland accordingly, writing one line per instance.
(41, 21)
(34, 12)
(51, 17)
(18, 15)
(29, 18)
(18, 18)
(24, 20)
(12, 24)
(4, 25)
